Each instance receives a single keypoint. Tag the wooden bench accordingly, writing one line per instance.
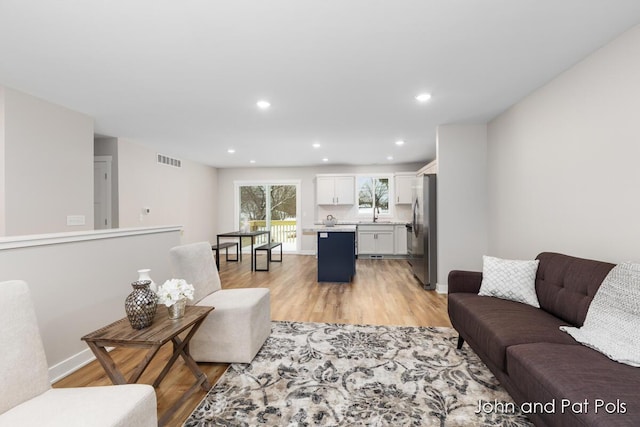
(226, 246)
(268, 248)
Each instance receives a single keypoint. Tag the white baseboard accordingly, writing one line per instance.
(442, 289)
(70, 365)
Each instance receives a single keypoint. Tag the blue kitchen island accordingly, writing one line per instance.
(336, 253)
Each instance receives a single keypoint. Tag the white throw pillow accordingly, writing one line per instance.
(509, 279)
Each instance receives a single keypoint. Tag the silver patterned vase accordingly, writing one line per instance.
(141, 305)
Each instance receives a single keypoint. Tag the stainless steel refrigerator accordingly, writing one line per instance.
(424, 225)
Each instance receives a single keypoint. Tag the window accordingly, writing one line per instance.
(373, 192)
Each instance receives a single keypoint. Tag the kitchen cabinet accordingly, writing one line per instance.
(335, 190)
(376, 239)
(400, 239)
(404, 190)
(431, 168)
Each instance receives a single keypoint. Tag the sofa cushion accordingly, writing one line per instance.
(566, 285)
(128, 405)
(510, 279)
(546, 372)
(613, 319)
(496, 324)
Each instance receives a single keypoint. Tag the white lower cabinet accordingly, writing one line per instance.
(401, 239)
(376, 240)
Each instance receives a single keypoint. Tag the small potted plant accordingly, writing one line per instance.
(174, 294)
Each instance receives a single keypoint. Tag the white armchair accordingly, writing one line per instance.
(26, 396)
(241, 321)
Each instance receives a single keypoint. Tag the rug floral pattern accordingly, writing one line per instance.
(319, 374)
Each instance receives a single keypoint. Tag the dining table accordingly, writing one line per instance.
(239, 235)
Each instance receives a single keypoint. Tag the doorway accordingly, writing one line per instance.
(272, 206)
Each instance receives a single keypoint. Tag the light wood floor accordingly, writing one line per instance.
(384, 292)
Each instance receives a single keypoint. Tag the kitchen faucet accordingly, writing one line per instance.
(375, 218)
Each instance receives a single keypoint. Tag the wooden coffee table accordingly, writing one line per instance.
(161, 331)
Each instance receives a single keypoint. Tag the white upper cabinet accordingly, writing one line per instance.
(325, 193)
(404, 189)
(431, 168)
(335, 190)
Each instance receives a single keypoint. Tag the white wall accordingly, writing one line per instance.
(461, 198)
(563, 164)
(186, 196)
(80, 286)
(48, 165)
(306, 176)
(3, 217)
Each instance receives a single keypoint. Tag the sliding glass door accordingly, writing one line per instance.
(270, 206)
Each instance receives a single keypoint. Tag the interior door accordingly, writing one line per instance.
(101, 194)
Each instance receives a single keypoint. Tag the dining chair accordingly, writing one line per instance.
(241, 321)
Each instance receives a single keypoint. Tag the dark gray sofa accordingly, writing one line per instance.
(534, 360)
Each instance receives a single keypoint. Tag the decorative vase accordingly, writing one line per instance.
(141, 305)
(176, 311)
(144, 275)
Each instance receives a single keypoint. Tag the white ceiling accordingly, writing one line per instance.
(184, 76)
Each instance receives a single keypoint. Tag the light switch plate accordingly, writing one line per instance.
(75, 220)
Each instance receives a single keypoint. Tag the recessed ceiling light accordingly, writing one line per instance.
(263, 105)
(399, 142)
(316, 145)
(325, 160)
(389, 157)
(252, 161)
(423, 97)
(231, 151)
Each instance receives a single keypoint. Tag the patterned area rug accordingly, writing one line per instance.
(310, 374)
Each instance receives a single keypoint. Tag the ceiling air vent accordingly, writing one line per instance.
(169, 161)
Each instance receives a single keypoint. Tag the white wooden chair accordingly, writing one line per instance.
(241, 321)
(26, 396)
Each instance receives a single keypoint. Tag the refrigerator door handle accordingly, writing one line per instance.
(415, 217)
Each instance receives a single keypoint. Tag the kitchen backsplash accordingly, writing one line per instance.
(402, 213)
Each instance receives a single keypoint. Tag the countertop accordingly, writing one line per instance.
(381, 222)
(340, 228)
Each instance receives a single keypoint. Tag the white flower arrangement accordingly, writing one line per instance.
(174, 290)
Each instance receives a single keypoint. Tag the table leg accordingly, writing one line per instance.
(135, 376)
(180, 348)
(252, 254)
(193, 366)
(172, 360)
(218, 253)
(169, 412)
(240, 248)
(107, 363)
